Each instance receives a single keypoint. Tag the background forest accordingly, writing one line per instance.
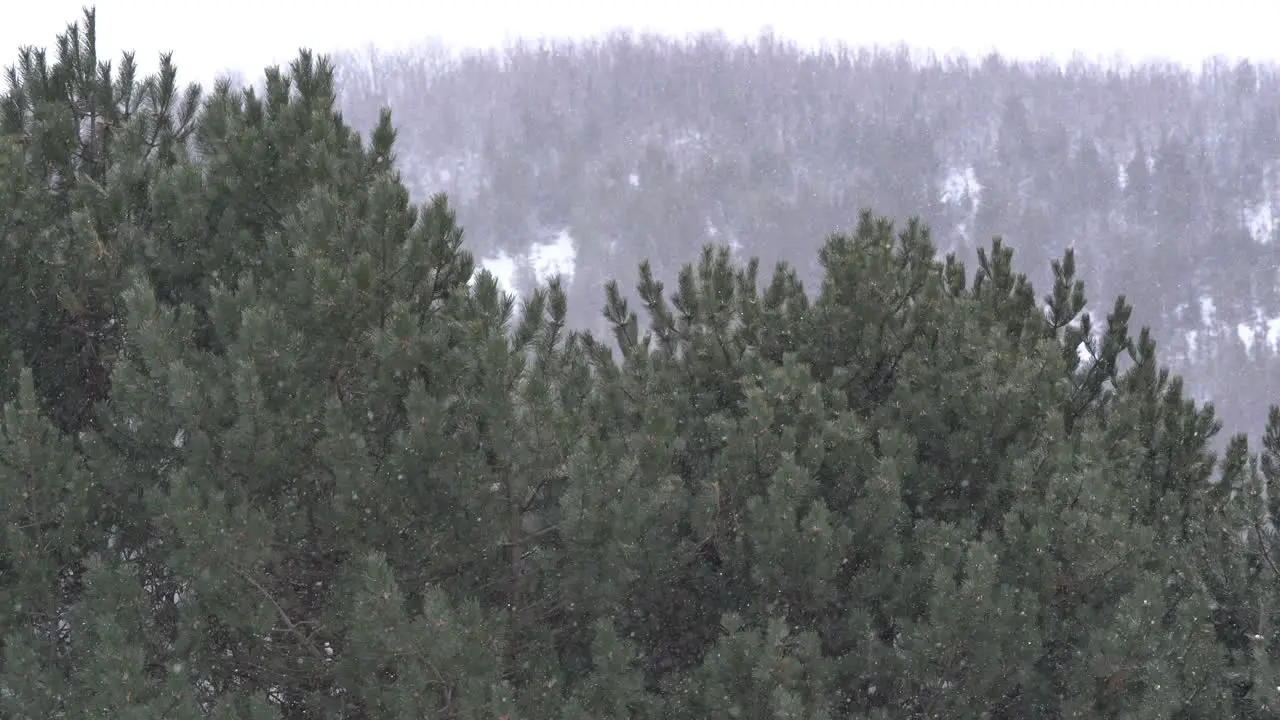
(1163, 180)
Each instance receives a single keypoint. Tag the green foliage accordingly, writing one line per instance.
(329, 470)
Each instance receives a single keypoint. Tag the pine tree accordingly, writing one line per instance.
(82, 142)
(321, 467)
(1241, 570)
(979, 525)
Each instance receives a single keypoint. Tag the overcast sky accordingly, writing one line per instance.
(209, 37)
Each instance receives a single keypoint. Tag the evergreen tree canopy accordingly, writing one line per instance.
(271, 448)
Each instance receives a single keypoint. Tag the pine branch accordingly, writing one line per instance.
(284, 616)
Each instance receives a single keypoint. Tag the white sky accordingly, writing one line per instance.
(209, 37)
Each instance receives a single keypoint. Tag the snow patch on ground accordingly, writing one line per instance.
(1208, 310)
(959, 182)
(1271, 334)
(1261, 222)
(503, 268)
(961, 186)
(545, 259)
(555, 257)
